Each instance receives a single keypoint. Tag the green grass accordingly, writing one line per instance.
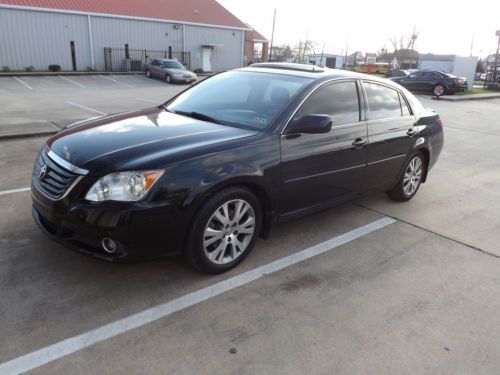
(479, 91)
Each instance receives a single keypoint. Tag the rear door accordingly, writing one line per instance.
(321, 168)
(427, 80)
(390, 134)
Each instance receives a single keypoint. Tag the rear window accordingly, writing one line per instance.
(383, 102)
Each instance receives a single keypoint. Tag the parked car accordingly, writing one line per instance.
(396, 73)
(211, 170)
(439, 83)
(170, 71)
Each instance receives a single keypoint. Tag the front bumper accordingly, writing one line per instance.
(183, 79)
(141, 230)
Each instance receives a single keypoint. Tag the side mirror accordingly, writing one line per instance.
(311, 124)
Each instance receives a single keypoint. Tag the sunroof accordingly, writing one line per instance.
(290, 66)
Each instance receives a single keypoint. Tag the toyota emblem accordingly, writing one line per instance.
(43, 171)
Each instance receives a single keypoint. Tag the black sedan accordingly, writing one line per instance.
(212, 169)
(439, 83)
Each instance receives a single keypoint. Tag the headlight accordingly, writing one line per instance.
(123, 186)
(178, 74)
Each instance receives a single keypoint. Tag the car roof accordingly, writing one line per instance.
(311, 71)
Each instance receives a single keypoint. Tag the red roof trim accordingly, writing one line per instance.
(207, 12)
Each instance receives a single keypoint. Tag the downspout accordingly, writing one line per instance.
(243, 47)
(92, 62)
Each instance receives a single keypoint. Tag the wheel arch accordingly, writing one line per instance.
(427, 157)
(264, 197)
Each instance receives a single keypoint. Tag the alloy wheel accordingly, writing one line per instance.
(438, 90)
(229, 231)
(413, 176)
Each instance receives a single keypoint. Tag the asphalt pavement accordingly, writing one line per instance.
(416, 295)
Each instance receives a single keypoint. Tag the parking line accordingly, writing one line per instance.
(73, 82)
(149, 100)
(114, 80)
(23, 83)
(86, 108)
(5, 192)
(71, 345)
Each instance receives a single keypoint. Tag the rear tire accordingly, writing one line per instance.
(411, 179)
(439, 90)
(224, 231)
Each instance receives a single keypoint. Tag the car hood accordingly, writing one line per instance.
(151, 138)
(179, 71)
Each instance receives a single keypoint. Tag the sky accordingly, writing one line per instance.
(443, 26)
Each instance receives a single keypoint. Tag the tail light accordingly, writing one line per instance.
(439, 122)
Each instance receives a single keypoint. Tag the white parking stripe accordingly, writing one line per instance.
(73, 82)
(86, 108)
(149, 100)
(71, 345)
(5, 192)
(114, 80)
(23, 83)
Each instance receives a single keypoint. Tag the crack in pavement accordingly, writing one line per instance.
(460, 242)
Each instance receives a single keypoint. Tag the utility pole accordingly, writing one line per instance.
(496, 58)
(272, 37)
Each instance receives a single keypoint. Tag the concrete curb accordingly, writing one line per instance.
(6, 137)
(19, 130)
(468, 97)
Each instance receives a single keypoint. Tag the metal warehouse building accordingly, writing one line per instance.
(120, 35)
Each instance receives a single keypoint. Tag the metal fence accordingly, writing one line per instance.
(133, 60)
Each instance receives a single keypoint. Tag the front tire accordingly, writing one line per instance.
(148, 73)
(168, 78)
(224, 231)
(410, 181)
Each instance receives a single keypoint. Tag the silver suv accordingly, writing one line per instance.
(169, 70)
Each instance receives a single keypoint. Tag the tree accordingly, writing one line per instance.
(480, 67)
(404, 49)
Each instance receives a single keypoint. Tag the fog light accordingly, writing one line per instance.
(108, 245)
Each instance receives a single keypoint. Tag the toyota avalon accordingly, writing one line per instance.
(212, 169)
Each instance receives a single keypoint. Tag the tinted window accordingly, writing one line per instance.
(339, 100)
(404, 106)
(383, 102)
(155, 62)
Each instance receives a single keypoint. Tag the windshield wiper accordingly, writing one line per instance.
(200, 116)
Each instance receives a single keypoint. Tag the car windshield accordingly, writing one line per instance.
(173, 65)
(239, 98)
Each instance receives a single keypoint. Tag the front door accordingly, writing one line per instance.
(390, 135)
(319, 169)
(207, 59)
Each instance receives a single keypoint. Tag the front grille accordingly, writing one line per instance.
(55, 181)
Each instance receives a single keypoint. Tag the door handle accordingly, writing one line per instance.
(411, 132)
(359, 143)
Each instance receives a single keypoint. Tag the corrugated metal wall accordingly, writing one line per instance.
(115, 33)
(41, 38)
(228, 50)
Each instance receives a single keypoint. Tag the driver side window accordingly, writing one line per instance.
(339, 100)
